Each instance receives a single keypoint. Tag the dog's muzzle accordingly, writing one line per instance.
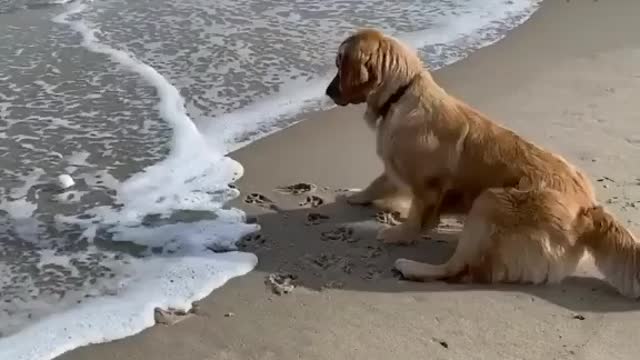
(333, 91)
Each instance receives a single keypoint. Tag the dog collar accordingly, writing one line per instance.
(384, 109)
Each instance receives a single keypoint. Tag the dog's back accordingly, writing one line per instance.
(495, 156)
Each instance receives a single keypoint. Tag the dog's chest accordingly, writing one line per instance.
(391, 146)
(385, 141)
(397, 135)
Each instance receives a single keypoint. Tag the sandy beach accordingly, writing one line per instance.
(567, 79)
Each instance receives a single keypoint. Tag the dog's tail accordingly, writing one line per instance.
(615, 250)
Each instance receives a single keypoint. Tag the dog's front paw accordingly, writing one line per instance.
(396, 235)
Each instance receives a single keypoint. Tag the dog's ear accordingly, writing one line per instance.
(353, 72)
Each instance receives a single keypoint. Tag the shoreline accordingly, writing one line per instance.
(564, 79)
(153, 78)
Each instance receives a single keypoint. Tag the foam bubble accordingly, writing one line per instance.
(65, 181)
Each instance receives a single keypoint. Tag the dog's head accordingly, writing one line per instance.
(356, 75)
(365, 61)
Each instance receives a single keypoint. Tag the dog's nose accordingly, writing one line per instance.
(333, 90)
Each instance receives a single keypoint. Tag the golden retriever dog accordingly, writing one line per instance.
(530, 214)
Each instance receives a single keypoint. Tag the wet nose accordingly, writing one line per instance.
(333, 90)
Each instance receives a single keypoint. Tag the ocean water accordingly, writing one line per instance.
(139, 101)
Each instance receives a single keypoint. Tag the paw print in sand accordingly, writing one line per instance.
(261, 201)
(339, 234)
(312, 201)
(388, 218)
(316, 218)
(297, 189)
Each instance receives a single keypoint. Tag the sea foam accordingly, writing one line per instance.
(193, 177)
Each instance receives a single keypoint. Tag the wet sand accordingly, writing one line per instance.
(567, 79)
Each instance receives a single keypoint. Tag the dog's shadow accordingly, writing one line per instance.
(326, 243)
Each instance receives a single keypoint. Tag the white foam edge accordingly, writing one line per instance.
(160, 282)
(108, 318)
(264, 117)
(192, 164)
(189, 150)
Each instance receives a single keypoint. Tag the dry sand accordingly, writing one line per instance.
(568, 79)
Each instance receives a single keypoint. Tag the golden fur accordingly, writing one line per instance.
(530, 213)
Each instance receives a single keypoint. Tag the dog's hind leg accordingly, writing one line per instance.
(473, 241)
(510, 236)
